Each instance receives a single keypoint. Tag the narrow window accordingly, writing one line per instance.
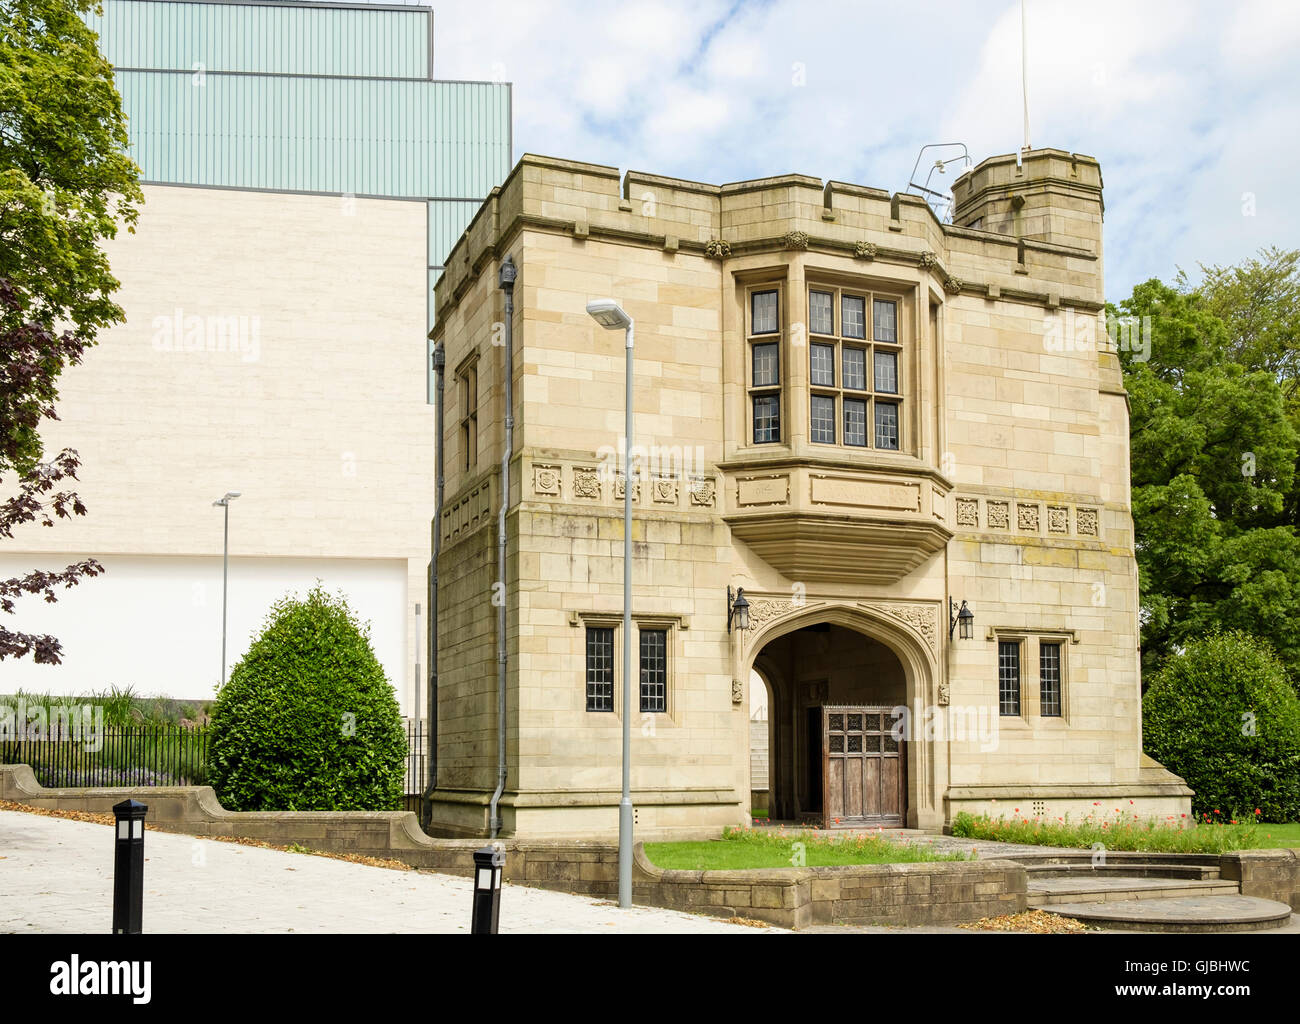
(886, 321)
(1009, 677)
(469, 417)
(767, 371)
(821, 315)
(767, 418)
(654, 670)
(855, 422)
(600, 668)
(1049, 679)
(855, 369)
(822, 368)
(823, 419)
(887, 372)
(853, 310)
(763, 313)
(887, 426)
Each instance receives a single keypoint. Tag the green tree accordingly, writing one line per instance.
(1223, 714)
(307, 720)
(66, 185)
(1213, 456)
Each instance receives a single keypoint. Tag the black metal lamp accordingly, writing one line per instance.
(508, 273)
(737, 610)
(489, 862)
(128, 867)
(961, 616)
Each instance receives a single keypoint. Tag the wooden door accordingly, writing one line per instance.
(864, 767)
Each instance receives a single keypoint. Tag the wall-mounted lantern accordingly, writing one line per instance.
(737, 610)
(963, 617)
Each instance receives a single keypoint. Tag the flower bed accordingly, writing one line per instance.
(1118, 830)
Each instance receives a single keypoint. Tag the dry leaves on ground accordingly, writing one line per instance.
(1040, 922)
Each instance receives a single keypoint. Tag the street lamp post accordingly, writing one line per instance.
(224, 502)
(610, 315)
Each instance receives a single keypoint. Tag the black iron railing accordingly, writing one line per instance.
(130, 755)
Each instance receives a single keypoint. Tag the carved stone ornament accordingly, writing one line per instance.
(1058, 519)
(1085, 521)
(737, 691)
(1027, 518)
(620, 488)
(586, 482)
(920, 618)
(968, 512)
(717, 249)
(546, 480)
(865, 250)
(796, 240)
(928, 259)
(664, 490)
(998, 515)
(944, 692)
(763, 610)
(952, 285)
(704, 492)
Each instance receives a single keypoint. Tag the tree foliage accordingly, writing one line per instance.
(1215, 439)
(66, 185)
(307, 720)
(1223, 714)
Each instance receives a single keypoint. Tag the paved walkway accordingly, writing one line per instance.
(56, 875)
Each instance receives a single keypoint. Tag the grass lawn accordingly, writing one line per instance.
(1276, 836)
(748, 848)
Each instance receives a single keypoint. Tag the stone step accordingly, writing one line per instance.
(1099, 888)
(1181, 914)
(1127, 870)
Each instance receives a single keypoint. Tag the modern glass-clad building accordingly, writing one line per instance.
(305, 175)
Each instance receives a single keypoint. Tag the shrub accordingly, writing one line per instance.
(307, 720)
(1224, 716)
(1113, 830)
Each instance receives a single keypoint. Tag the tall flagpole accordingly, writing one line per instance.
(1024, 71)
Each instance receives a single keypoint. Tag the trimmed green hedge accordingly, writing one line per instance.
(307, 720)
(1224, 715)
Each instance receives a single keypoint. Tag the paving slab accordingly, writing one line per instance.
(56, 875)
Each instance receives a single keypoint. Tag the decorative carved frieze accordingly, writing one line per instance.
(998, 515)
(1085, 521)
(1027, 518)
(704, 492)
(1058, 519)
(546, 480)
(921, 619)
(664, 490)
(968, 512)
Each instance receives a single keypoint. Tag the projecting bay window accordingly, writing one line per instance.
(764, 317)
(861, 407)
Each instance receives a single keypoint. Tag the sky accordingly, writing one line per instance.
(1192, 108)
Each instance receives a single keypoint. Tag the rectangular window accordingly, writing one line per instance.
(767, 368)
(1009, 677)
(855, 368)
(821, 313)
(823, 419)
(887, 426)
(654, 670)
(763, 313)
(1049, 679)
(767, 418)
(855, 422)
(600, 668)
(887, 372)
(822, 367)
(886, 321)
(468, 379)
(853, 309)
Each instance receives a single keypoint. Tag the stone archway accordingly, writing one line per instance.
(817, 654)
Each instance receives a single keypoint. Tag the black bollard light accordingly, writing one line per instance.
(128, 867)
(489, 863)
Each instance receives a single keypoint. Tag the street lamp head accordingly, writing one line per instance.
(229, 496)
(609, 314)
(508, 273)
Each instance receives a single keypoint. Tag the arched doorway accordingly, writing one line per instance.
(835, 686)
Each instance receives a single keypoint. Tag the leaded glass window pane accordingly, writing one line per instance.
(821, 313)
(887, 426)
(764, 313)
(1008, 677)
(887, 372)
(886, 320)
(654, 670)
(600, 668)
(823, 419)
(855, 368)
(1049, 676)
(853, 310)
(855, 422)
(767, 365)
(767, 418)
(822, 364)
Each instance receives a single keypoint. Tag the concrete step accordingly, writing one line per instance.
(1087, 869)
(1181, 914)
(1100, 887)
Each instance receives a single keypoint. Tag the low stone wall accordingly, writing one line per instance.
(939, 892)
(1268, 874)
(902, 894)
